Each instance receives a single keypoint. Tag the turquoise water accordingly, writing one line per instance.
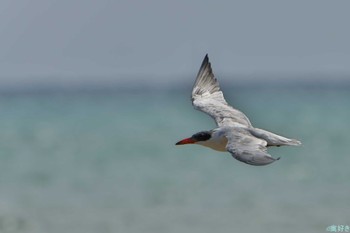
(106, 162)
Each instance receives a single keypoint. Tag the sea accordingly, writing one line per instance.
(104, 161)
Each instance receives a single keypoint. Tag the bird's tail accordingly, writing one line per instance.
(273, 139)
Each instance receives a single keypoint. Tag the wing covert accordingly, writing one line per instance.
(247, 148)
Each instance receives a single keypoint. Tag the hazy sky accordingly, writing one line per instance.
(69, 41)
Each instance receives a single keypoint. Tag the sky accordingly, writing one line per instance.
(86, 41)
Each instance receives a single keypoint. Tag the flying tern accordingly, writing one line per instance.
(234, 132)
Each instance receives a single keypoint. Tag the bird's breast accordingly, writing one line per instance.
(218, 144)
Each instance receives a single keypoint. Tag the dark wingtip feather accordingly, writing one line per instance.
(205, 74)
(205, 62)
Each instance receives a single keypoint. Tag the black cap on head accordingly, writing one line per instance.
(202, 136)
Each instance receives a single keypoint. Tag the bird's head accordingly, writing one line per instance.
(197, 137)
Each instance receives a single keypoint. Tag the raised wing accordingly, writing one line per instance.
(246, 148)
(208, 98)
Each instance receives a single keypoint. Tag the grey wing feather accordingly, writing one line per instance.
(208, 98)
(247, 148)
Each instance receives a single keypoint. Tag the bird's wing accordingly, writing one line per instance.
(208, 98)
(246, 148)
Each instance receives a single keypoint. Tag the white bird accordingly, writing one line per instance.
(234, 133)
